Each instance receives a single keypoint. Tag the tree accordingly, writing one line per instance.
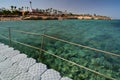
(6, 12)
(22, 8)
(65, 11)
(31, 5)
(12, 7)
(27, 8)
(37, 10)
(95, 15)
(15, 7)
(19, 9)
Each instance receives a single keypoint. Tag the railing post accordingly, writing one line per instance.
(41, 47)
(9, 36)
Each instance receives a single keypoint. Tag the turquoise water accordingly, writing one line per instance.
(100, 34)
(106, 34)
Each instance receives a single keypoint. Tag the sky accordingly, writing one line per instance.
(101, 7)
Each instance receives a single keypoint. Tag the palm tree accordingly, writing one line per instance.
(12, 7)
(65, 11)
(19, 9)
(95, 15)
(31, 5)
(40, 10)
(50, 11)
(15, 7)
(22, 7)
(27, 8)
(43, 11)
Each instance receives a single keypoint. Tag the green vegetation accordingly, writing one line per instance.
(18, 11)
(49, 13)
(9, 13)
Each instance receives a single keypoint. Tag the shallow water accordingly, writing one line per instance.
(106, 34)
(100, 34)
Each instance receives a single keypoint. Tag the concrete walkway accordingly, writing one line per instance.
(16, 66)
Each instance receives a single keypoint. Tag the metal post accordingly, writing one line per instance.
(42, 43)
(9, 36)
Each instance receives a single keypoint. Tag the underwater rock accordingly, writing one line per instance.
(82, 54)
(93, 61)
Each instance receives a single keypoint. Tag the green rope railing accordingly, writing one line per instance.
(68, 42)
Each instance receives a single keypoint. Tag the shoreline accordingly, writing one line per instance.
(11, 18)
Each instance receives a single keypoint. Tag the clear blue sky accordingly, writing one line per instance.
(102, 7)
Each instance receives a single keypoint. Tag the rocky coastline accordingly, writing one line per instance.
(11, 18)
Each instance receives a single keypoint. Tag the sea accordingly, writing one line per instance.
(99, 34)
